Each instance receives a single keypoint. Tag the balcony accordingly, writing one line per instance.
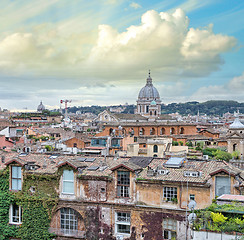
(68, 233)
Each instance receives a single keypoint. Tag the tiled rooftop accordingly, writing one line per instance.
(101, 166)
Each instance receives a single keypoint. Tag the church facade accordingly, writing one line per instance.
(235, 137)
(149, 102)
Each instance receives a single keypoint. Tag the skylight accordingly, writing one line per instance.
(174, 162)
(93, 168)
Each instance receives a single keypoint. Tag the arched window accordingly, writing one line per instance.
(142, 131)
(68, 221)
(140, 109)
(131, 131)
(234, 147)
(155, 113)
(182, 130)
(150, 113)
(172, 131)
(155, 155)
(147, 109)
(110, 131)
(155, 148)
(162, 131)
(124, 131)
(152, 131)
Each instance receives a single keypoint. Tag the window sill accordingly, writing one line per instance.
(14, 223)
(124, 234)
(67, 193)
(118, 197)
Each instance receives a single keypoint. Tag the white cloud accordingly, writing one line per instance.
(232, 90)
(135, 5)
(162, 42)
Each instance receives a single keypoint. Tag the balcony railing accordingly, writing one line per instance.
(68, 232)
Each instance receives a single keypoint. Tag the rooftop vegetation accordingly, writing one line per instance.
(221, 218)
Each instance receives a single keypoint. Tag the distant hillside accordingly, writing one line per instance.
(209, 108)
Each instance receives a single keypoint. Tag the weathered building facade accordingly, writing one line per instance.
(125, 198)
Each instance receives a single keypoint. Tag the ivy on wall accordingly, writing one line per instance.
(6, 198)
(37, 199)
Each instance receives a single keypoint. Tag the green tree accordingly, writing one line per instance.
(48, 147)
(189, 144)
(236, 154)
(221, 155)
(181, 143)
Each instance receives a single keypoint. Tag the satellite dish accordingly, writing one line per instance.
(192, 217)
(192, 205)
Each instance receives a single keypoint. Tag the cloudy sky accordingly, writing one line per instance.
(98, 52)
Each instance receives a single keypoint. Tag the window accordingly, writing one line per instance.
(115, 142)
(15, 214)
(192, 197)
(170, 193)
(191, 174)
(182, 130)
(75, 145)
(169, 228)
(155, 148)
(68, 181)
(162, 131)
(142, 131)
(222, 185)
(122, 222)
(16, 178)
(172, 131)
(152, 131)
(68, 221)
(123, 184)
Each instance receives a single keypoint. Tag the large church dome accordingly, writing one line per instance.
(40, 107)
(148, 102)
(148, 92)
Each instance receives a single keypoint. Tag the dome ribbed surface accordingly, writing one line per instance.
(236, 124)
(149, 91)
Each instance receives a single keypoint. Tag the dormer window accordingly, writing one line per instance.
(16, 182)
(68, 182)
(192, 174)
(123, 183)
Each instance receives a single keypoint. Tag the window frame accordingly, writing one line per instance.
(68, 181)
(123, 189)
(169, 227)
(155, 148)
(119, 222)
(69, 219)
(192, 197)
(18, 178)
(11, 216)
(170, 193)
